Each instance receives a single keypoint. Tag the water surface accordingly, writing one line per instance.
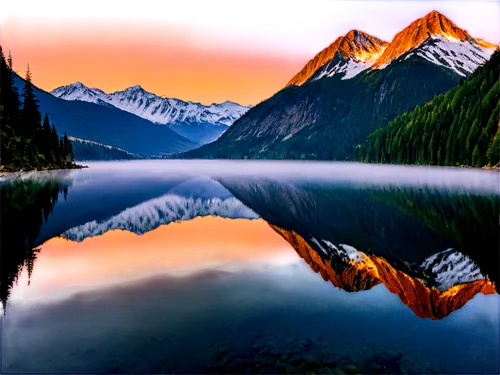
(250, 267)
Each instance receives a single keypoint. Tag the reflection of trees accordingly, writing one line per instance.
(469, 221)
(404, 225)
(25, 205)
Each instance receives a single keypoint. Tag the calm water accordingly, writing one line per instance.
(250, 267)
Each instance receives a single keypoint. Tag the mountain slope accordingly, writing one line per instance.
(460, 127)
(328, 117)
(349, 54)
(109, 125)
(325, 119)
(195, 121)
(87, 150)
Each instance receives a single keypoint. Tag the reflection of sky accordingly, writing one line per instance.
(151, 319)
(64, 266)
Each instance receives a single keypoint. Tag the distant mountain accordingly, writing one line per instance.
(459, 127)
(351, 88)
(108, 125)
(84, 150)
(197, 122)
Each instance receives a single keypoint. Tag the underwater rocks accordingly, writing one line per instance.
(310, 356)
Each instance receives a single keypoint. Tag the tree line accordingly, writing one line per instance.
(27, 141)
(458, 128)
(86, 150)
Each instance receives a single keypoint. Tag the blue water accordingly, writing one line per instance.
(244, 315)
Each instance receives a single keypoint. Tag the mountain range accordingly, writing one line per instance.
(198, 123)
(108, 125)
(352, 87)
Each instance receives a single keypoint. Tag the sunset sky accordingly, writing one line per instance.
(203, 50)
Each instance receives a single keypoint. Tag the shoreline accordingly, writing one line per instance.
(23, 171)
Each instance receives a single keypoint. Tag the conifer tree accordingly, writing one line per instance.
(31, 117)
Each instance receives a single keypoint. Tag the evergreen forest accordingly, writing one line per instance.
(27, 141)
(458, 128)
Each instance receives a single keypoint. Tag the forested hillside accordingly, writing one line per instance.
(26, 141)
(87, 150)
(326, 119)
(460, 127)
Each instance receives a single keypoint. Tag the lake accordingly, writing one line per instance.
(250, 267)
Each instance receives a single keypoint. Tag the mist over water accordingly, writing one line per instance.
(467, 179)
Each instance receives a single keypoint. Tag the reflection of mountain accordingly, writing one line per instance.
(192, 198)
(26, 204)
(419, 243)
(353, 271)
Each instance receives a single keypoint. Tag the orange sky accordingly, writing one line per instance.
(120, 256)
(203, 50)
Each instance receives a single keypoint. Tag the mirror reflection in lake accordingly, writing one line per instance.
(250, 267)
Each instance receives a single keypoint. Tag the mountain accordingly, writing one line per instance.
(331, 106)
(108, 125)
(87, 150)
(197, 122)
(459, 127)
(437, 39)
(348, 55)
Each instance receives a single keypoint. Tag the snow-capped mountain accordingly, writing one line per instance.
(348, 55)
(152, 107)
(433, 37)
(195, 121)
(438, 40)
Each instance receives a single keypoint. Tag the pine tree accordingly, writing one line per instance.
(45, 140)
(31, 117)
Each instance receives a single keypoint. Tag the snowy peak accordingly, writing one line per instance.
(439, 41)
(433, 37)
(154, 108)
(348, 54)
(78, 91)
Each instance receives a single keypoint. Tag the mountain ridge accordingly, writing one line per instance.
(364, 51)
(189, 119)
(108, 125)
(326, 111)
(356, 47)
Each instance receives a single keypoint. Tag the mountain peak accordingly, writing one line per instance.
(356, 46)
(135, 88)
(431, 25)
